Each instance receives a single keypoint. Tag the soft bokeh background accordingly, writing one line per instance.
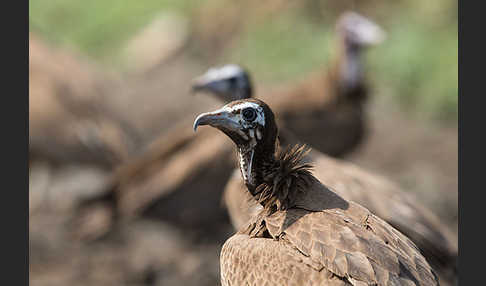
(146, 52)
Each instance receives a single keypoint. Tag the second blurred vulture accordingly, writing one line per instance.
(330, 101)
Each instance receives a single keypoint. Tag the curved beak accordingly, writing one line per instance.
(220, 119)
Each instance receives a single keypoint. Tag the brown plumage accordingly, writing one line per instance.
(322, 236)
(69, 121)
(381, 196)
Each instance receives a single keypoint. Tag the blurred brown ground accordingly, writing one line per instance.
(420, 155)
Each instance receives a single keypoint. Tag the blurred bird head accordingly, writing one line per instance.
(250, 123)
(229, 82)
(359, 31)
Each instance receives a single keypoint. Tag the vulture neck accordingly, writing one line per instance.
(349, 68)
(275, 179)
(254, 162)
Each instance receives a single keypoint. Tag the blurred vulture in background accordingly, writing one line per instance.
(330, 101)
(68, 119)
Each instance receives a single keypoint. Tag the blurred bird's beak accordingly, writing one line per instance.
(207, 82)
(199, 83)
(221, 119)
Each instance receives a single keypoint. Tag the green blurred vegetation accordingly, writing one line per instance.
(98, 28)
(283, 47)
(416, 65)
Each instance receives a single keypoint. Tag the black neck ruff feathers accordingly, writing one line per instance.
(284, 179)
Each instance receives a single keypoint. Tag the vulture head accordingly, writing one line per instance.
(229, 82)
(250, 124)
(358, 31)
(272, 178)
(355, 33)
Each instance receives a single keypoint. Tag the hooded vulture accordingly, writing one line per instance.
(305, 234)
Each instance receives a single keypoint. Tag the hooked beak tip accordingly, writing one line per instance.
(196, 124)
(200, 120)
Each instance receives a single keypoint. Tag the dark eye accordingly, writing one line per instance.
(249, 114)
